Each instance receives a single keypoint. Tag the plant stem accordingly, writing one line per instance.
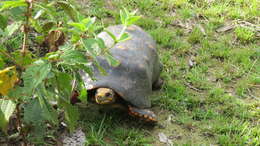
(122, 32)
(26, 28)
(19, 124)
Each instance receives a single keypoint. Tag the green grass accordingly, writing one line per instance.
(215, 101)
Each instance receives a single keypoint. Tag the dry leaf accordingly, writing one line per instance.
(8, 78)
(202, 30)
(164, 139)
(225, 28)
(55, 39)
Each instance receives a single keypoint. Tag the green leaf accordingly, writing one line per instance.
(48, 9)
(21, 93)
(111, 35)
(16, 12)
(127, 18)
(12, 4)
(33, 112)
(88, 22)
(101, 43)
(10, 29)
(83, 93)
(111, 60)
(71, 114)
(73, 57)
(34, 116)
(47, 26)
(64, 84)
(38, 134)
(92, 46)
(2, 63)
(39, 39)
(35, 25)
(124, 37)
(49, 112)
(7, 107)
(3, 22)
(80, 26)
(75, 37)
(69, 9)
(38, 14)
(22, 60)
(123, 16)
(100, 68)
(132, 20)
(35, 74)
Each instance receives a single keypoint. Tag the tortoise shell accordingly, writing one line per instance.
(139, 66)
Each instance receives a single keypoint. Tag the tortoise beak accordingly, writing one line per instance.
(99, 100)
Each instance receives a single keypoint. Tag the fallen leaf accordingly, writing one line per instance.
(202, 30)
(164, 139)
(170, 118)
(8, 78)
(225, 28)
(191, 63)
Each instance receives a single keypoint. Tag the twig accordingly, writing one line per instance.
(122, 32)
(254, 85)
(251, 95)
(26, 27)
(191, 87)
(251, 67)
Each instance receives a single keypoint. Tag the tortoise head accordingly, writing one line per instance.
(105, 96)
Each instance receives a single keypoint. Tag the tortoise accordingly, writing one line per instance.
(132, 81)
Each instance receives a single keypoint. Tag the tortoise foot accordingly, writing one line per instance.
(143, 114)
(157, 84)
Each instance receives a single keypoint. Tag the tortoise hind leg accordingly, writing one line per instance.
(143, 114)
(157, 84)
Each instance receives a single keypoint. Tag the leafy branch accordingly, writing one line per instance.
(49, 64)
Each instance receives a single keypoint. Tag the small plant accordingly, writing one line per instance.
(163, 37)
(196, 36)
(57, 42)
(244, 34)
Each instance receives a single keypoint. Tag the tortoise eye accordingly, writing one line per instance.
(108, 94)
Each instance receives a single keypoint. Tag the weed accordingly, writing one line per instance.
(148, 23)
(97, 133)
(244, 34)
(196, 36)
(185, 13)
(163, 37)
(132, 137)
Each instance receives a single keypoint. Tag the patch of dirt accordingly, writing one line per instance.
(176, 133)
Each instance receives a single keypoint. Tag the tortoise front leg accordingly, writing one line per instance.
(157, 84)
(144, 114)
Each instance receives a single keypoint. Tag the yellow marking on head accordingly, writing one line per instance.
(104, 96)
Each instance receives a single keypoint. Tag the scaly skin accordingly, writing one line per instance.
(108, 96)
